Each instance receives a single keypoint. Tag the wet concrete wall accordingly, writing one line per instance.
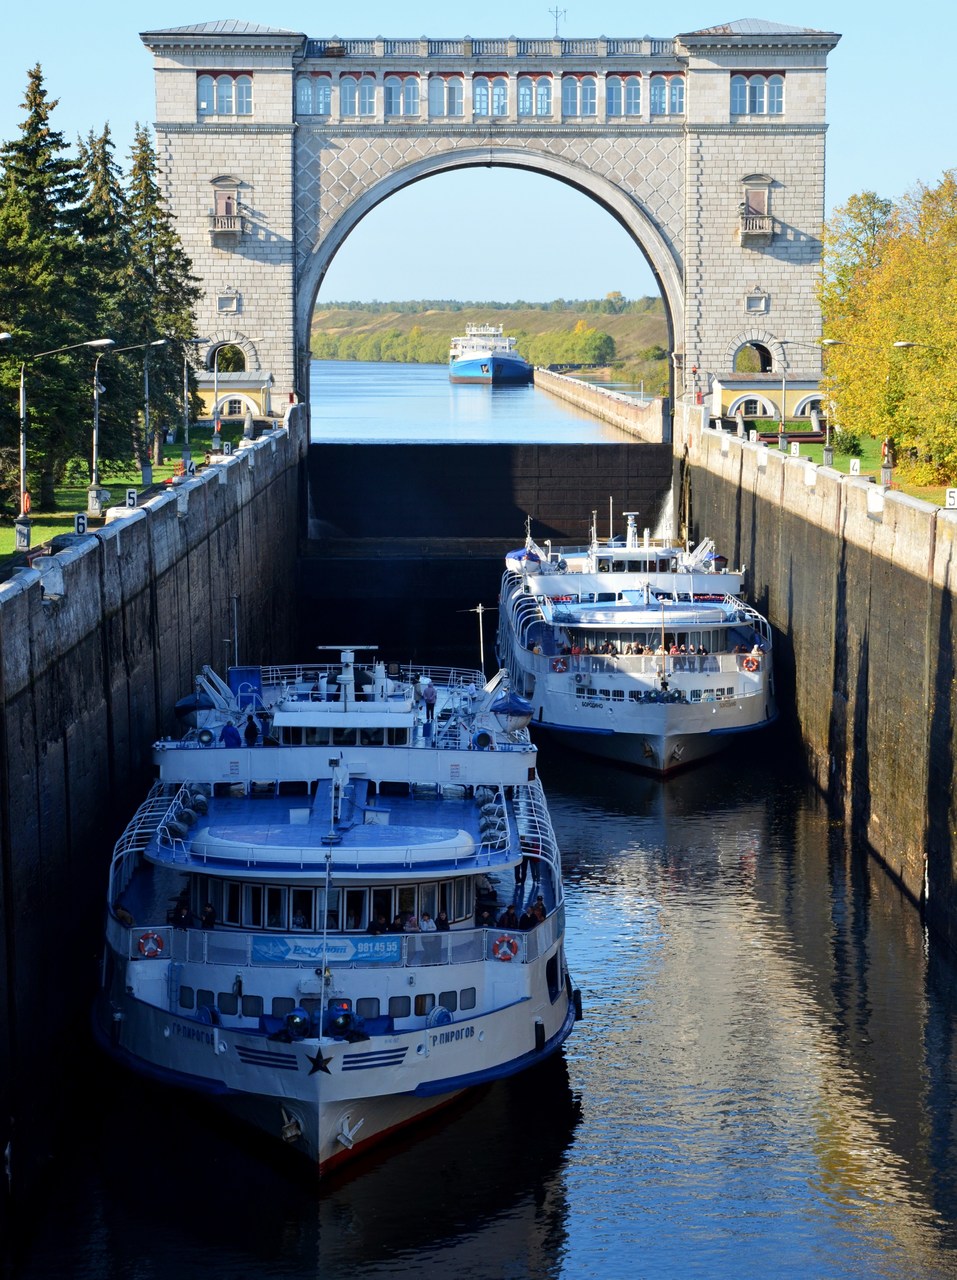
(97, 642)
(407, 540)
(859, 582)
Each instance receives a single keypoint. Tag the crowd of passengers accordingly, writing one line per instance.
(610, 650)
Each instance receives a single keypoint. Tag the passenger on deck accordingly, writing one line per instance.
(427, 924)
(412, 925)
(229, 736)
(207, 918)
(527, 920)
(484, 919)
(397, 925)
(378, 925)
(428, 697)
(442, 922)
(251, 731)
(182, 916)
(508, 919)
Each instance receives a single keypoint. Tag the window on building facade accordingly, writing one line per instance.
(313, 95)
(244, 95)
(500, 96)
(357, 97)
(613, 103)
(480, 97)
(579, 96)
(446, 96)
(667, 95)
(402, 96)
(757, 95)
(534, 96)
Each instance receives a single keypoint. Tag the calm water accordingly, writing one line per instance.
(352, 400)
(764, 1084)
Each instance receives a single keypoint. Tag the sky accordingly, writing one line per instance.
(891, 110)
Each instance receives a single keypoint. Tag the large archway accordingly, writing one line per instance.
(634, 220)
(313, 133)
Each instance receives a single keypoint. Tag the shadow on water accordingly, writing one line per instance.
(154, 1185)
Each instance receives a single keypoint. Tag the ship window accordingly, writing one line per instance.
(406, 901)
(275, 907)
(356, 909)
(371, 737)
(399, 1006)
(330, 906)
(449, 1000)
(695, 695)
(253, 913)
(301, 909)
(424, 1004)
(228, 1002)
(281, 1005)
(343, 737)
(367, 1007)
(617, 695)
(231, 905)
(382, 904)
(634, 695)
(187, 998)
(205, 999)
(463, 907)
(604, 693)
(252, 1006)
(428, 894)
(467, 998)
(292, 735)
(316, 737)
(397, 737)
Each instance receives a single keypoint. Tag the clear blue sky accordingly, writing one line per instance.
(892, 107)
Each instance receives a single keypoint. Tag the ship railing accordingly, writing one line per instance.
(235, 949)
(153, 813)
(657, 664)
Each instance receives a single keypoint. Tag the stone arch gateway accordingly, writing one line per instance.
(274, 146)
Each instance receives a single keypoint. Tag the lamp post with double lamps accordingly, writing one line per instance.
(190, 342)
(22, 523)
(96, 496)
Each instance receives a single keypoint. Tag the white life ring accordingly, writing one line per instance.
(559, 665)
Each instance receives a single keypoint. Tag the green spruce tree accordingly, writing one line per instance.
(43, 301)
(162, 290)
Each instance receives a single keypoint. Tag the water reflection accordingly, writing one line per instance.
(763, 1085)
(364, 402)
(761, 1004)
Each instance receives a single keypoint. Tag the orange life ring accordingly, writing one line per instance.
(559, 665)
(504, 948)
(750, 663)
(151, 945)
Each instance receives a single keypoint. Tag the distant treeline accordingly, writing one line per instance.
(578, 345)
(613, 304)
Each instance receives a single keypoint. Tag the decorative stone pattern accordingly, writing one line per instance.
(674, 180)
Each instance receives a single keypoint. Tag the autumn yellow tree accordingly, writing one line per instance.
(888, 294)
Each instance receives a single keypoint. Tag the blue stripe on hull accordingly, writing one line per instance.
(433, 1088)
(494, 371)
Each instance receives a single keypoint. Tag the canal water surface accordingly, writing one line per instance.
(764, 1083)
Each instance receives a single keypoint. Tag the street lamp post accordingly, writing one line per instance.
(95, 495)
(22, 523)
(217, 426)
(828, 451)
(148, 478)
(190, 342)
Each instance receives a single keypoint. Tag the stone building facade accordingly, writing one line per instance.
(707, 147)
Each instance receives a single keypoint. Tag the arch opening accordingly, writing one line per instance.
(659, 256)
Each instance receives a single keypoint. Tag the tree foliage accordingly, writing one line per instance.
(84, 254)
(889, 294)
